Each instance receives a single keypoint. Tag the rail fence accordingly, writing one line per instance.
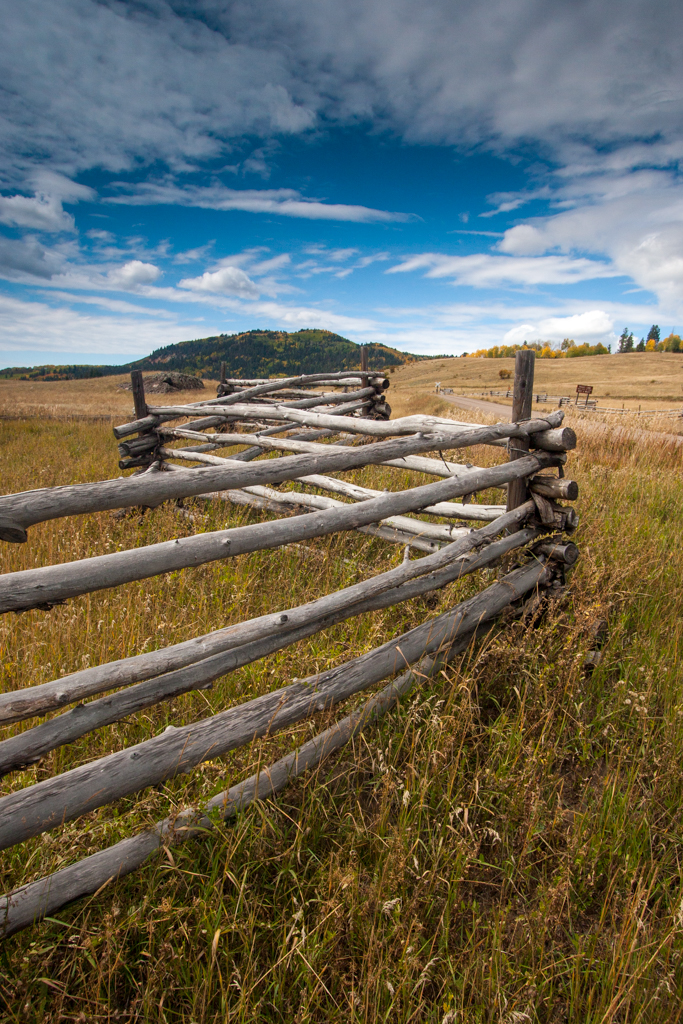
(300, 429)
(587, 405)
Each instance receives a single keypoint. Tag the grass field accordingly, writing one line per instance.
(505, 847)
(100, 398)
(650, 379)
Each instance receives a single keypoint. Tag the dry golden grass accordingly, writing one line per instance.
(650, 379)
(505, 848)
(96, 399)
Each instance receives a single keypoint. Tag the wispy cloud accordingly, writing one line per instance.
(485, 270)
(284, 202)
(42, 329)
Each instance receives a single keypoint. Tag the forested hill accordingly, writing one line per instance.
(268, 353)
(250, 354)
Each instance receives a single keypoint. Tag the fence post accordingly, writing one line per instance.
(521, 410)
(138, 394)
(363, 358)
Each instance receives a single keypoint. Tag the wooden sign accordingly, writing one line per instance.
(584, 389)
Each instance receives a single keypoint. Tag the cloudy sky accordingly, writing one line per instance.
(439, 176)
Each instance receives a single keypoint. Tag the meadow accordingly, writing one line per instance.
(652, 380)
(506, 846)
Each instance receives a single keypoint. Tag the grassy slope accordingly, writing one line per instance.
(506, 847)
(647, 378)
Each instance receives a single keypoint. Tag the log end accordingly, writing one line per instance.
(558, 439)
(12, 532)
(568, 438)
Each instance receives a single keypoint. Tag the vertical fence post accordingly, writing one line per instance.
(363, 359)
(138, 394)
(521, 410)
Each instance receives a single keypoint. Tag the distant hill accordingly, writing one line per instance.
(250, 354)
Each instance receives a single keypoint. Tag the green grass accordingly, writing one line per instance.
(506, 846)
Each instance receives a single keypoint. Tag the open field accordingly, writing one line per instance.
(99, 398)
(506, 847)
(650, 379)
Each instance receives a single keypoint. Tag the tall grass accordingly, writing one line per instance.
(505, 847)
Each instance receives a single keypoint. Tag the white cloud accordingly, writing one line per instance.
(485, 270)
(285, 202)
(132, 275)
(26, 259)
(102, 237)
(39, 330)
(101, 84)
(43, 211)
(593, 326)
(106, 302)
(226, 281)
(194, 255)
(635, 220)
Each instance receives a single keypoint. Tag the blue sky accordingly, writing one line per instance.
(438, 176)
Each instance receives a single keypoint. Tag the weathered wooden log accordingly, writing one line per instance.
(343, 378)
(553, 487)
(415, 463)
(138, 389)
(30, 507)
(38, 700)
(31, 745)
(392, 428)
(35, 588)
(30, 903)
(476, 513)
(414, 527)
(392, 534)
(405, 425)
(565, 552)
(558, 439)
(448, 509)
(521, 410)
(51, 802)
(331, 398)
(151, 421)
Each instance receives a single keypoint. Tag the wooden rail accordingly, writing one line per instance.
(304, 440)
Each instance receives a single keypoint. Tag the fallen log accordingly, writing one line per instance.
(49, 803)
(38, 700)
(36, 588)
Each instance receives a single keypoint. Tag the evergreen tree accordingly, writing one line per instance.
(640, 347)
(626, 341)
(653, 334)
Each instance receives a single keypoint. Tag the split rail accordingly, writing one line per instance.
(306, 430)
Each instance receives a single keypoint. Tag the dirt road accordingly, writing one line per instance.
(616, 431)
(477, 404)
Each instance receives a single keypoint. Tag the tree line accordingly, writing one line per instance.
(653, 343)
